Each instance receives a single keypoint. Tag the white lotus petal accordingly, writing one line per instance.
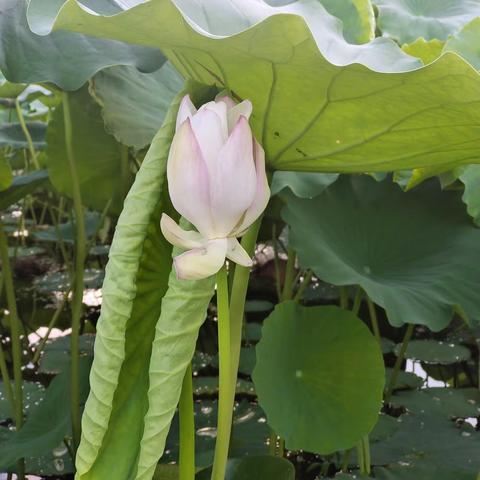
(236, 253)
(186, 110)
(188, 180)
(233, 180)
(179, 237)
(262, 193)
(244, 108)
(201, 262)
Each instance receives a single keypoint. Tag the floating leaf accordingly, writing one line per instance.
(33, 394)
(322, 366)
(398, 253)
(11, 135)
(265, 467)
(465, 43)
(134, 104)
(427, 51)
(353, 119)
(405, 380)
(22, 185)
(48, 423)
(435, 352)
(471, 196)
(407, 20)
(447, 402)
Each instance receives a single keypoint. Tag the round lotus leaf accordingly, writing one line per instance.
(448, 402)
(265, 467)
(415, 253)
(435, 352)
(405, 380)
(319, 377)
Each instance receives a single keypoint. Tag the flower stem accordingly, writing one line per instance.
(80, 254)
(237, 307)
(28, 137)
(303, 286)
(225, 407)
(15, 329)
(398, 362)
(187, 429)
(343, 297)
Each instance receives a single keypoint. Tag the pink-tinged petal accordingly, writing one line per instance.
(186, 110)
(210, 132)
(236, 253)
(201, 262)
(188, 180)
(242, 109)
(233, 181)
(179, 237)
(262, 193)
(228, 101)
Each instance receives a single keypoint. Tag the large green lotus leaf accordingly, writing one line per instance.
(407, 20)
(22, 185)
(319, 377)
(415, 253)
(138, 365)
(470, 177)
(134, 103)
(103, 174)
(357, 16)
(11, 135)
(302, 184)
(64, 58)
(6, 175)
(320, 104)
(48, 423)
(466, 43)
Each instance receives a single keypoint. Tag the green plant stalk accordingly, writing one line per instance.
(287, 292)
(80, 254)
(343, 297)
(6, 381)
(303, 286)
(15, 330)
(398, 362)
(357, 301)
(187, 429)
(373, 318)
(364, 459)
(225, 407)
(276, 262)
(52, 323)
(28, 137)
(346, 459)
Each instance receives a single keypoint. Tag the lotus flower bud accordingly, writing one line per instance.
(217, 181)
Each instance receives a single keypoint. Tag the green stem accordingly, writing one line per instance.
(357, 301)
(346, 459)
(343, 297)
(6, 381)
(53, 322)
(187, 429)
(289, 275)
(225, 407)
(272, 443)
(80, 254)
(276, 260)
(364, 459)
(373, 318)
(28, 137)
(398, 362)
(303, 286)
(15, 330)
